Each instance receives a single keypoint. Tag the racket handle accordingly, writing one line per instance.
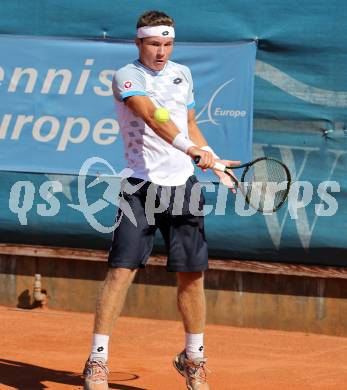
(218, 166)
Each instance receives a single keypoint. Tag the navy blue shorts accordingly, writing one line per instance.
(175, 211)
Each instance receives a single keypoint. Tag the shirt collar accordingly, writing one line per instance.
(149, 70)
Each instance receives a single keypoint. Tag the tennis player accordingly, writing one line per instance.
(160, 155)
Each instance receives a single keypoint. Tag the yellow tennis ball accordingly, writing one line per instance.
(161, 115)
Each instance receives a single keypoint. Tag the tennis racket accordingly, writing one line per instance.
(265, 182)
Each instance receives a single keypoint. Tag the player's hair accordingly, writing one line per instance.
(155, 18)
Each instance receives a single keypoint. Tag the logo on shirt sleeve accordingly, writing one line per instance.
(127, 84)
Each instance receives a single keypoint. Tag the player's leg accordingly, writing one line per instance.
(185, 239)
(111, 298)
(131, 246)
(109, 305)
(191, 301)
(191, 304)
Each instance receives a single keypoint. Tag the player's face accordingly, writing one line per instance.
(155, 51)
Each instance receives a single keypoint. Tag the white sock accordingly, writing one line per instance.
(194, 345)
(99, 347)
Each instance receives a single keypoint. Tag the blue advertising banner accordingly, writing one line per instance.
(57, 108)
(300, 115)
(310, 228)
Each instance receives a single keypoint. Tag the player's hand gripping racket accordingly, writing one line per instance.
(264, 183)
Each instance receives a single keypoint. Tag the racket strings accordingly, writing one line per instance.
(265, 184)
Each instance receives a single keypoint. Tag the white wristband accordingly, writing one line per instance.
(208, 149)
(182, 143)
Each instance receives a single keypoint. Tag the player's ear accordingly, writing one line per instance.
(138, 42)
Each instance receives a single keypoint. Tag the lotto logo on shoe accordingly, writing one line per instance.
(128, 84)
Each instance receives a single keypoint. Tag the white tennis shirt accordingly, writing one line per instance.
(148, 155)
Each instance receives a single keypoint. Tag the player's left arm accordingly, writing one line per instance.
(193, 130)
(197, 137)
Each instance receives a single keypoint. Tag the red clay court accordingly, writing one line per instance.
(46, 349)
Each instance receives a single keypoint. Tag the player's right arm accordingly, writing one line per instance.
(143, 107)
(129, 88)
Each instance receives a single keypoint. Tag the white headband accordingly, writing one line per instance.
(156, 31)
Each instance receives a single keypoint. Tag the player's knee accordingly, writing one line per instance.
(122, 276)
(189, 279)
